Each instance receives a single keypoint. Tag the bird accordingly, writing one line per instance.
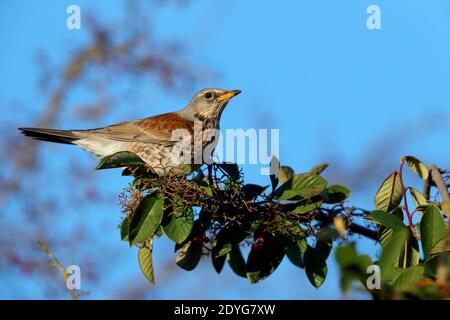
(154, 139)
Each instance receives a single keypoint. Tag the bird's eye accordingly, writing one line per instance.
(208, 95)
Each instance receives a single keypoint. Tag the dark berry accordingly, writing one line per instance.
(198, 239)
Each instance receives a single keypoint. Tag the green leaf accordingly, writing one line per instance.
(198, 230)
(408, 278)
(264, 260)
(125, 229)
(218, 262)
(440, 247)
(222, 249)
(431, 265)
(159, 232)
(180, 222)
(231, 169)
(273, 181)
(146, 219)
(287, 195)
(319, 168)
(237, 262)
(347, 257)
(418, 197)
(274, 165)
(352, 265)
(119, 160)
(308, 205)
(232, 234)
(189, 255)
(445, 206)
(417, 166)
(304, 185)
(389, 196)
(384, 233)
(409, 254)
(432, 229)
(386, 219)
(146, 261)
(336, 193)
(285, 173)
(391, 251)
(315, 263)
(295, 251)
(251, 191)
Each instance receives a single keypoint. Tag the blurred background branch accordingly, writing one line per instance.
(121, 51)
(303, 68)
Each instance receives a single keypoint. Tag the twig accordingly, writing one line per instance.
(440, 184)
(353, 227)
(366, 232)
(443, 270)
(55, 263)
(409, 214)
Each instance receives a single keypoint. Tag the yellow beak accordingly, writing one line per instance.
(228, 95)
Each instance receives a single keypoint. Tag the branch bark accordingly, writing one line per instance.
(440, 184)
(443, 270)
(353, 227)
(366, 232)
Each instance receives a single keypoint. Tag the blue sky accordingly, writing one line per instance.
(310, 68)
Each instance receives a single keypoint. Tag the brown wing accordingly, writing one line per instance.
(157, 129)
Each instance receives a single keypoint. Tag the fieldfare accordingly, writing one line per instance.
(153, 139)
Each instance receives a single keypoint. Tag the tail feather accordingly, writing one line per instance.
(51, 135)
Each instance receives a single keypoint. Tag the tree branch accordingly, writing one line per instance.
(366, 232)
(353, 227)
(440, 184)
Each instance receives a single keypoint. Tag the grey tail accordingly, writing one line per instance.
(51, 135)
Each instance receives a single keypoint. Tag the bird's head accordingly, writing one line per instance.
(208, 104)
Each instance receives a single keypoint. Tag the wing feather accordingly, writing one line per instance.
(157, 129)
